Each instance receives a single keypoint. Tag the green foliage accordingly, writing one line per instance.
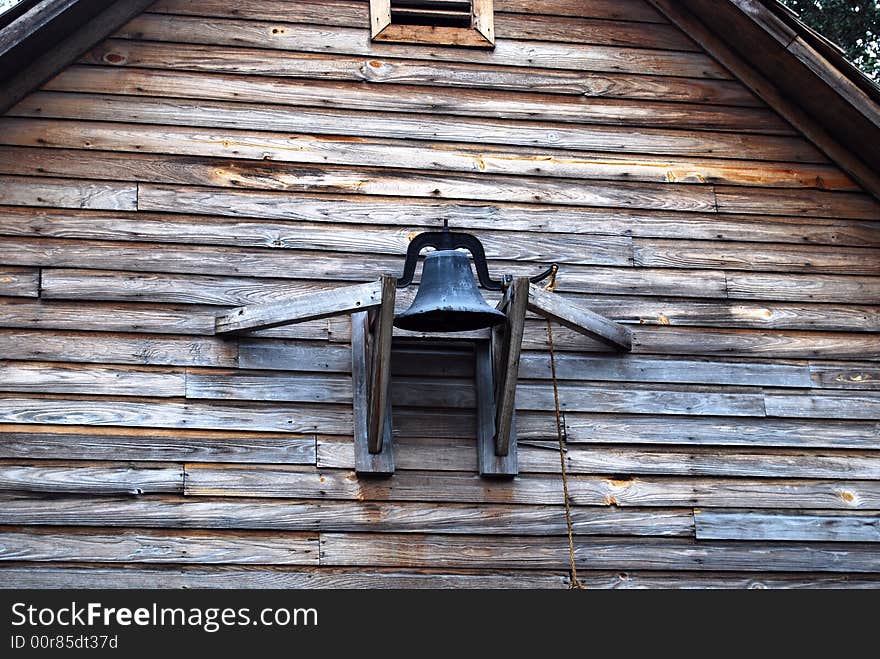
(854, 25)
(7, 4)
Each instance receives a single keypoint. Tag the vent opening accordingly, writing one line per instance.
(437, 13)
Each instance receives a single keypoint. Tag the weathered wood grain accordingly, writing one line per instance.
(151, 168)
(48, 576)
(395, 71)
(420, 392)
(594, 553)
(164, 105)
(45, 576)
(287, 482)
(20, 282)
(112, 317)
(832, 405)
(493, 104)
(808, 203)
(624, 429)
(298, 419)
(580, 248)
(730, 256)
(310, 515)
(441, 156)
(84, 478)
(811, 527)
(723, 462)
(140, 546)
(354, 14)
(82, 282)
(353, 41)
(98, 443)
(444, 455)
(266, 205)
(40, 377)
(845, 376)
(119, 349)
(814, 288)
(32, 191)
(222, 385)
(301, 308)
(336, 12)
(765, 344)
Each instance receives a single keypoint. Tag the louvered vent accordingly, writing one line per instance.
(438, 13)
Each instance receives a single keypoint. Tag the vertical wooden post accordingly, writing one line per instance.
(509, 366)
(381, 366)
(381, 463)
(490, 464)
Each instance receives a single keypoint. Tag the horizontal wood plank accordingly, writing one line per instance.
(595, 553)
(310, 515)
(149, 168)
(353, 41)
(489, 103)
(394, 71)
(354, 14)
(44, 575)
(287, 482)
(787, 526)
(20, 282)
(42, 191)
(148, 102)
(55, 442)
(42, 377)
(140, 546)
(118, 349)
(833, 405)
(298, 419)
(441, 156)
(84, 478)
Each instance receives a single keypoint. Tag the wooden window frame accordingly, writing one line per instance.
(481, 34)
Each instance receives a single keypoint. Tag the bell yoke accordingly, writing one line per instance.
(448, 299)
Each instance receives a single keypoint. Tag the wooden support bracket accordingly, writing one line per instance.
(381, 463)
(556, 308)
(311, 306)
(496, 360)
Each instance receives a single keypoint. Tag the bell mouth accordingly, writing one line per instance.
(449, 320)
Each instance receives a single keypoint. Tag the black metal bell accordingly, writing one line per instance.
(448, 299)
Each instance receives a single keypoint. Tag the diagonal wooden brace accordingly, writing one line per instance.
(556, 308)
(311, 306)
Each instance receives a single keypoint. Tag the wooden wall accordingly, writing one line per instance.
(213, 154)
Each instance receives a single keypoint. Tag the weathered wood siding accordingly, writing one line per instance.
(214, 154)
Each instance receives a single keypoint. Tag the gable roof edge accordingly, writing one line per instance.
(771, 58)
(84, 23)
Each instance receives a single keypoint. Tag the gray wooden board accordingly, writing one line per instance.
(142, 546)
(94, 443)
(45, 576)
(595, 553)
(811, 527)
(311, 515)
(22, 282)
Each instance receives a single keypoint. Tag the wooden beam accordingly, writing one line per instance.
(53, 56)
(490, 464)
(310, 306)
(381, 463)
(506, 377)
(380, 404)
(552, 306)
